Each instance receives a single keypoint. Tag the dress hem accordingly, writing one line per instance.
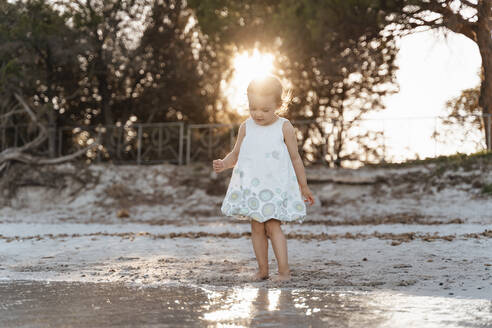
(248, 218)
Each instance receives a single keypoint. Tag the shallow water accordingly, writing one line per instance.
(76, 304)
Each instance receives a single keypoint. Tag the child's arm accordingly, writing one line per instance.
(291, 143)
(231, 158)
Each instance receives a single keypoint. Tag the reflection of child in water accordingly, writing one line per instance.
(265, 97)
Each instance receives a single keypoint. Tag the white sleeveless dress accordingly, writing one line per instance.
(264, 184)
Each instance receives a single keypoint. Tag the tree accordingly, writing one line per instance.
(334, 54)
(472, 19)
(22, 153)
(101, 62)
(38, 60)
(464, 115)
(180, 63)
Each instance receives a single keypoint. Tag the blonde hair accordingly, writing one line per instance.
(270, 85)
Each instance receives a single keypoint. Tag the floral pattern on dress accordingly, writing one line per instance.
(265, 195)
(253, 203)
(264, 187)
(276, 207)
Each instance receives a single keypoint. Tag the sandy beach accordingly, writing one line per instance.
(406, 232)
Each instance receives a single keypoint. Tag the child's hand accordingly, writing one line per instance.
(307, 194)
(218, 165)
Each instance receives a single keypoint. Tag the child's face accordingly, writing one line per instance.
(262, 108)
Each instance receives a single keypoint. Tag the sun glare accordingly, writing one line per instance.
(247, 66)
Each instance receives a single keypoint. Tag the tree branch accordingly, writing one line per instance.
(42, 135)
(451, 20)
(18, 153)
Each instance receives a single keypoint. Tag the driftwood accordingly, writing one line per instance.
(30, 170)
(19, 154)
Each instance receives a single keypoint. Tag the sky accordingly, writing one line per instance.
(433, 69)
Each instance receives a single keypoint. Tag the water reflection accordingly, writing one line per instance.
(239, 305)
(273, 297)
(62, 304)
(273, 307)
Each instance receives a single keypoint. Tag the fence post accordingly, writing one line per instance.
(60, 136)
(139, 145)
(209, 142)
(325, 145)
(489, 146)
(119, 130)
(188, 146)
(52, 140)
(180, 150)
(100, 142)
(159, 143)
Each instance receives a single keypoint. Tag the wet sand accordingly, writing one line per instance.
(76, 304)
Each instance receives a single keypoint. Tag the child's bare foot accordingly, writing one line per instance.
(281, 277)
(258, 276)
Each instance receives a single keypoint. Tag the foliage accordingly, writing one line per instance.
(464, 120)
(110, 61)
(35, 55)
(105, 61)
(458, 159)
(469, 18)
(334, 54)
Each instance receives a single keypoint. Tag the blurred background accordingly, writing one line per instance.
(165, 81)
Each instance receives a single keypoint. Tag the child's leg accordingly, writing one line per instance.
(260, 245)
(279, 245)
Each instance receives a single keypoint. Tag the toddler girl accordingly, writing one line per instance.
(268, 180)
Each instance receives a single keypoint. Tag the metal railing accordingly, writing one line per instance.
(140, 143)
(154, 143)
